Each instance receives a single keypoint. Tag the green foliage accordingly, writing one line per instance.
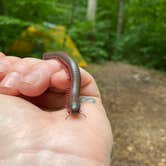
(142, 42)
(90, 42)
(17, 15)
(10, 29)
(144, 39)
(92, 38)
(29, 10)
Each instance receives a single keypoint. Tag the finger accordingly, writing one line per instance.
(89, 86)
(3, 70)
(2, 54)
(10, 68)
(8, 79)
(9, 59)
(31, 61)
(9, 85)
(24, 67)
(6, 65)
(37, 80)
(60, 80)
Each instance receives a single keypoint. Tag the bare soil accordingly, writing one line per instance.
(135, 101)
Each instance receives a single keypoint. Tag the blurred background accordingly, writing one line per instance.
(122, 43)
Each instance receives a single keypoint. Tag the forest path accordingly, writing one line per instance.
(135, 101)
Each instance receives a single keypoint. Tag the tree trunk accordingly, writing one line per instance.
(91, 10)
(120, 18)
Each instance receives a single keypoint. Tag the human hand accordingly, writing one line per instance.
(31, 136)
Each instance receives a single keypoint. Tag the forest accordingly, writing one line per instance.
(132, 31)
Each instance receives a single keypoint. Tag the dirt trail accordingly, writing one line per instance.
(135, 100)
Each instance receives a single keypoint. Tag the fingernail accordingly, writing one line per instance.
(32, 77)
(11, 80)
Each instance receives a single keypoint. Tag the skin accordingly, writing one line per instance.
(40, 135)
